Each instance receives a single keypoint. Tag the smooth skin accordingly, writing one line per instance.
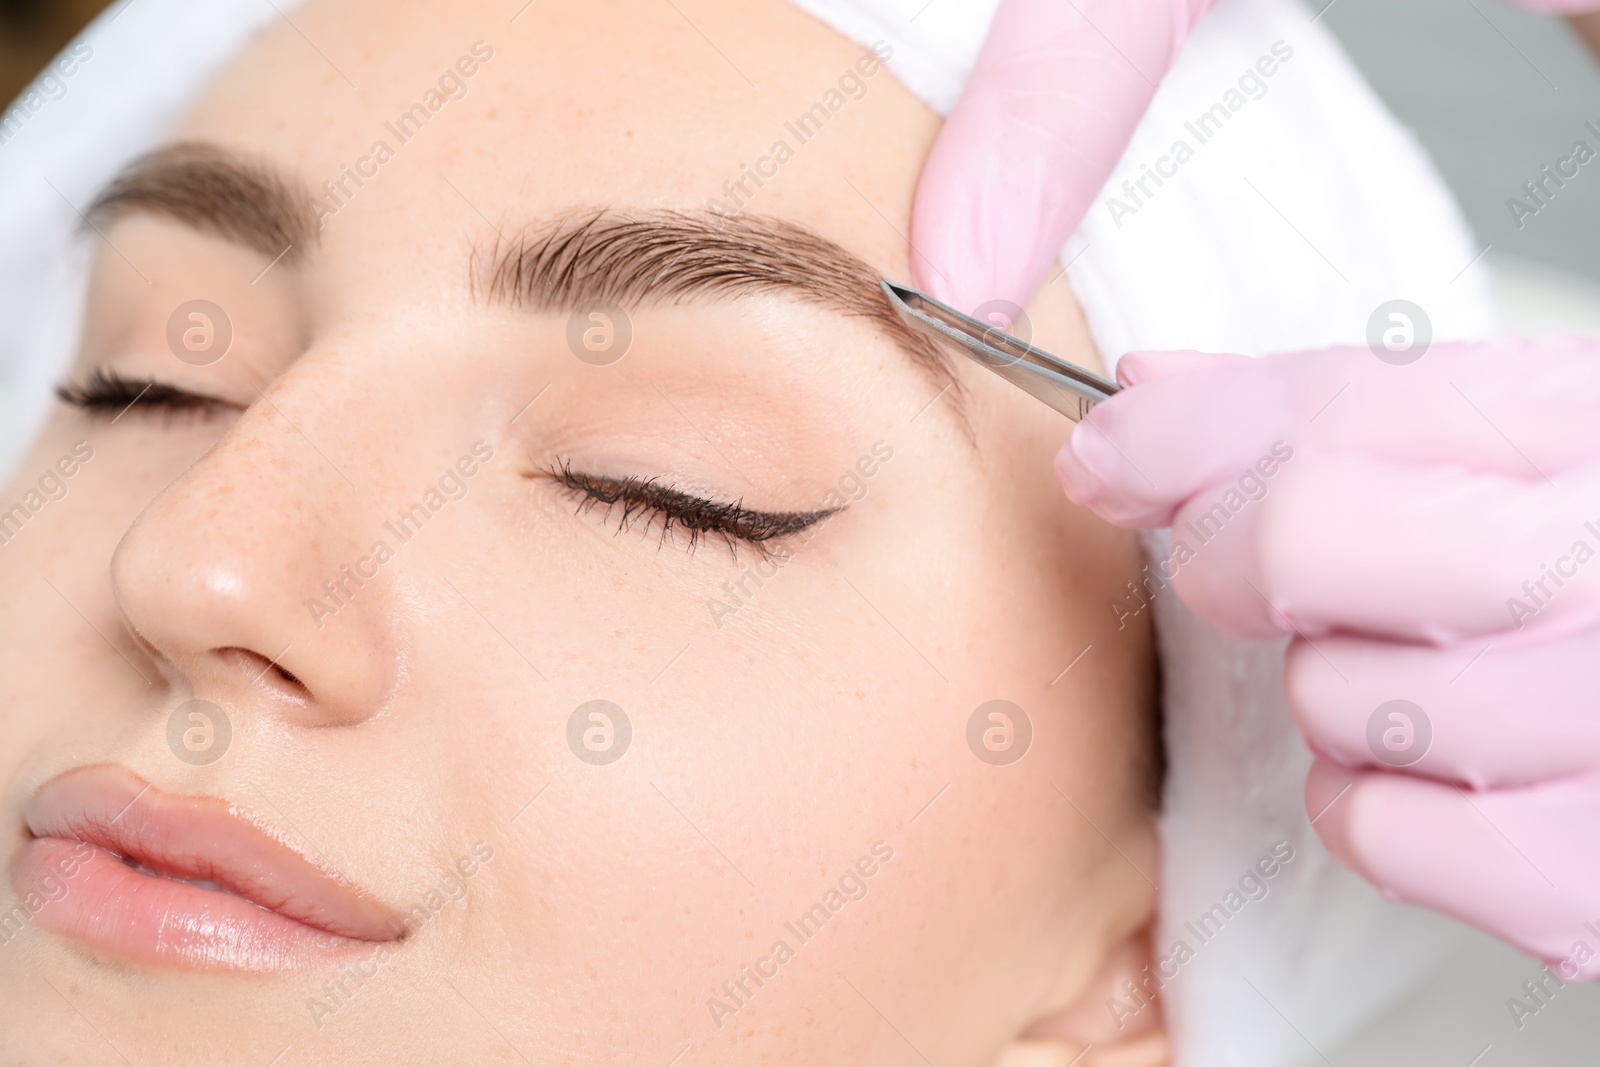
(770, 753)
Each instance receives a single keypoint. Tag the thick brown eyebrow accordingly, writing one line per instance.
(637, 258)
(213, 190)
(630, 259)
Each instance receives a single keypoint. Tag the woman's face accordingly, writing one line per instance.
(560, 631)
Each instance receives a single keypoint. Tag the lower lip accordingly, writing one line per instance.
(140, 918)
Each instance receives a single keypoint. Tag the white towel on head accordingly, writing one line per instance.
(1287, 228)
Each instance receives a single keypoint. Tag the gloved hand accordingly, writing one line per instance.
(1426, 529)
(1047, 112)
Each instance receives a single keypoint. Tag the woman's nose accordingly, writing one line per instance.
(239, 576)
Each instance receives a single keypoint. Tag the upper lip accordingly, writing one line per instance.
(203, 839)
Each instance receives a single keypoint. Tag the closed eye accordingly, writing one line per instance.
(645, 502)
(107, 394)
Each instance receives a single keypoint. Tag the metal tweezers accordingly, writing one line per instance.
(1066, 387)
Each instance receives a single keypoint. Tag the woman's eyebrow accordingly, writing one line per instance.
(635, 258)
(627, 258)
(212, 189)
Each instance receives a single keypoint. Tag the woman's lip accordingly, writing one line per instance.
(142, 860)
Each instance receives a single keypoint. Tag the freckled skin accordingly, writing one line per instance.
(769, 754)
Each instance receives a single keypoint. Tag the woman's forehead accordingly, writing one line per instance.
(443, 115)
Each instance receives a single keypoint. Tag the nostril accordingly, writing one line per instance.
(257, 667)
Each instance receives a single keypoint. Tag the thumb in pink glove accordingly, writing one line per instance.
(1057, 91)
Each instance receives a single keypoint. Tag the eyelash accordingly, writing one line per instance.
(108, 394)
(646, 500)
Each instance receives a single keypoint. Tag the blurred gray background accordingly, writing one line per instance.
(1495, 93)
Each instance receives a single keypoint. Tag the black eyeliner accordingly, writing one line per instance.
(647, 500)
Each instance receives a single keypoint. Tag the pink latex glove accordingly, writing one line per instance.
(1426, 528)
(1048, 110)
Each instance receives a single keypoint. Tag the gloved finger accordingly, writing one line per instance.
(1139, 455)
(1344, 542)
(1519, 863)
(1519, 408)
(1046, 113)
(1495, 718)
